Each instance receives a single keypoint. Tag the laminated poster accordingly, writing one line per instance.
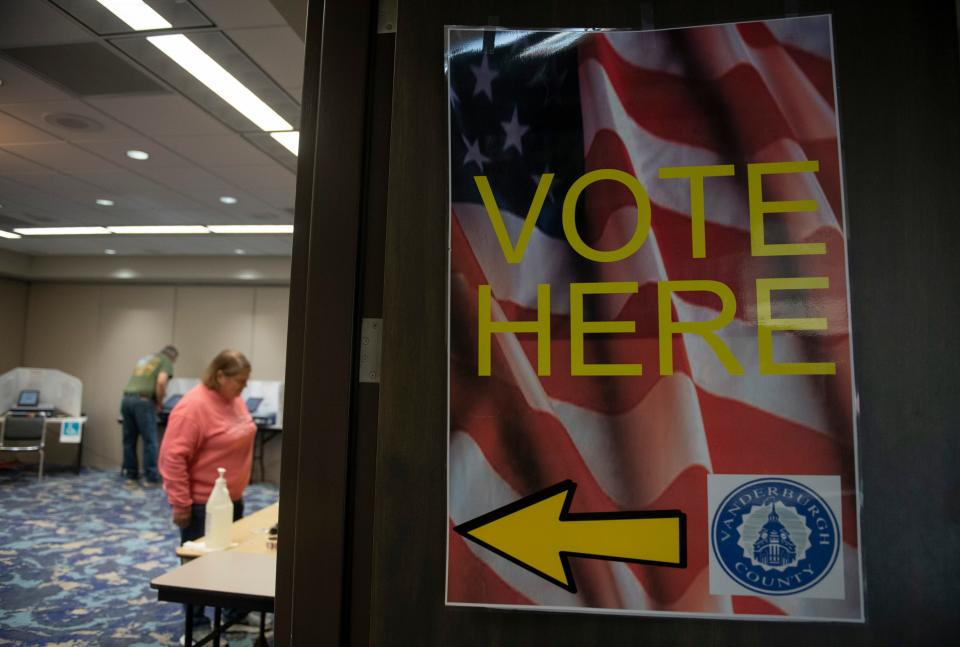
(651, 406)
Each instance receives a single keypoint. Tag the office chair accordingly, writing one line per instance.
(20, 434)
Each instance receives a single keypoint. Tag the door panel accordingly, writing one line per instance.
(898, 96)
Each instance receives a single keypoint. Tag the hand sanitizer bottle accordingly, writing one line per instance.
(219, 514)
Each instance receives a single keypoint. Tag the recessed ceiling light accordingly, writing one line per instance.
(239, 251)
(136, 13)
(7, 234)
(289, 140)
(62, 231)
(251, 229)
(105, 203)
(206, 70)
(109, 252)
(228, 199)
(138, 155)
(159, 229)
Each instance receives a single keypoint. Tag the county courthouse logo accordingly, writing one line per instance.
(775, 535)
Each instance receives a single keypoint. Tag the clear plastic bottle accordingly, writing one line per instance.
(219, 514)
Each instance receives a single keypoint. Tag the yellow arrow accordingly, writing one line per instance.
(539, 533)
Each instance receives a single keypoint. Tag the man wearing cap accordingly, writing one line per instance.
(142, 399)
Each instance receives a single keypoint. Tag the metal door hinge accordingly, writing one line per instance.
(387, 17)
(371, 332)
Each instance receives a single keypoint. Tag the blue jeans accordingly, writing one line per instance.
(139, 419)
(196, 529)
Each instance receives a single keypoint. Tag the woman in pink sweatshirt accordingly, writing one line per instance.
(209, 428)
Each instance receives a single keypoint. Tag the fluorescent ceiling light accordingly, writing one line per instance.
(206, 70)
(109, 252)
(149, 230)
(136, 13)
(62, 231)
(105, 203)
(160, 229)
(228, 199)
(251, 229)
(138, 155)
(290, 140)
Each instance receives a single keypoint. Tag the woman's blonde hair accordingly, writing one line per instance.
(231, 362)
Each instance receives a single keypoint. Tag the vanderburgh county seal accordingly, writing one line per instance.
(774, 535)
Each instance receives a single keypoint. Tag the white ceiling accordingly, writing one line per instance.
(51, 176)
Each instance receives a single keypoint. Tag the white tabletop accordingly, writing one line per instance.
(230, 573)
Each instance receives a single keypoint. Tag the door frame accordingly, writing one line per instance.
(320, 383)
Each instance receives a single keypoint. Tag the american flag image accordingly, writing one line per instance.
(526, 103)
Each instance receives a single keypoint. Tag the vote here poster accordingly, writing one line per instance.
(651, 397)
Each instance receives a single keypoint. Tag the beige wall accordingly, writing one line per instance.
(13, 313)
(97, 332)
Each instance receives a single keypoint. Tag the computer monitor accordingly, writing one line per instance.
(253, 404)
(28, 398)
(172, 402)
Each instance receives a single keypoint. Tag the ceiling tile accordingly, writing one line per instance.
(115, 150)
(13, 164)
(194, 216)
(278, 50)
(207, 189)
(14, 131)
(10, 221)
(45, 114)
(226, 53)
(160, 116)
(132, 191)
(192, 183)
(231, 14)
(62, 186)
(269, 176)
(274, 149)
(26, 23)
(42, 205)
(19, 85)
(87, 68)
(277, 198)
(179, 13)
(218, 150)
(136, 199)
(61, 156)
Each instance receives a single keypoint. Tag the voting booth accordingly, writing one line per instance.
(176, 388)
(41, 418)
(264, 399)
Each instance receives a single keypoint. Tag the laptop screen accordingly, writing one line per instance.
(28, 398)
(253, 404)
(171, 402)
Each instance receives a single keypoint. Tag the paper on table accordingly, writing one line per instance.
(201, 546)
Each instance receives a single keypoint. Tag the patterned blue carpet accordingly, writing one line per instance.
(77, 554)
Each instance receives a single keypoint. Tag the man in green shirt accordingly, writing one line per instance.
(142, 399)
